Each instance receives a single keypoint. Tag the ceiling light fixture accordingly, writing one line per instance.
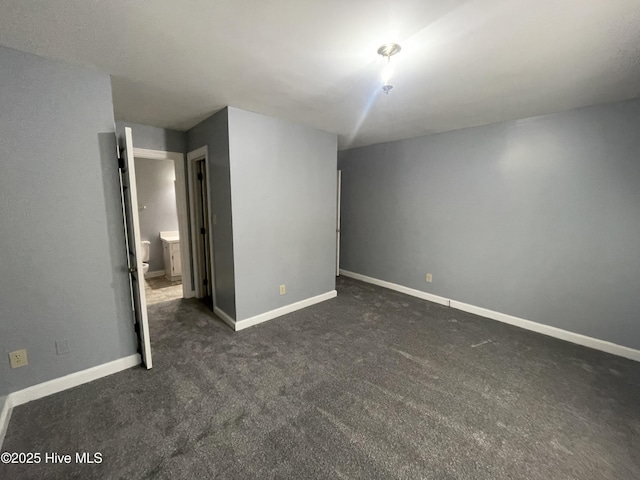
(388, 50)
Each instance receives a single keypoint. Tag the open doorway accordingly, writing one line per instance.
(136, 254)
(201, 222)
(163, 220)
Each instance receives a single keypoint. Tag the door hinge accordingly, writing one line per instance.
(200, 176)
(121, 158)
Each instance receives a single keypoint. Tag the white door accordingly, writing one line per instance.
(339, 189)
(132, 238)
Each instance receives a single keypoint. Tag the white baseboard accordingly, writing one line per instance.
(60, 384)
(73, 380)
(263, 317)
(398, 288)
(555, 332)
(157, 273)
(225, 317)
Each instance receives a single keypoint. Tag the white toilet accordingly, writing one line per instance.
(145, 255)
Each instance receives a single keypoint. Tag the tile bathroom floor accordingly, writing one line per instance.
(159, 289)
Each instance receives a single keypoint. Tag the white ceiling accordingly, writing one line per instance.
(463, 63)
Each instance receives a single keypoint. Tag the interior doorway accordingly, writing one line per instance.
(169, 272)
(201, 225)
(159, 229)
(136, 253)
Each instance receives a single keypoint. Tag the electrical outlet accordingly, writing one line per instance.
(429, 278)
(18, 358)
(62, 346)
(283, 289)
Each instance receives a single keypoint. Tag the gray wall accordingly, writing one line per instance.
(214, 132)
(154, 138)
(283, 191)
(63, 257)
(155, 181)
(537, 218)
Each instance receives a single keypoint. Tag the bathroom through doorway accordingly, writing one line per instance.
(163, 221)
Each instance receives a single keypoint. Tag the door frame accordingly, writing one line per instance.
(338, 207)
(181, 204)
(194, 156)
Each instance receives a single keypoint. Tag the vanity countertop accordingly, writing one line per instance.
(170, 237)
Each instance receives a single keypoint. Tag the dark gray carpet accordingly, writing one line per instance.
(370, 385)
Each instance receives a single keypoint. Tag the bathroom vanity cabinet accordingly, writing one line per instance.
(171, 251)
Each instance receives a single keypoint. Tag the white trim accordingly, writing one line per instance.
(226, 318)
(263, 317)
(60, 384)
(156, 154)
(181, 204)
(157, 273)
(555, 332)
(73, 380)
(201, 153)
(183, 225)
(5, 416)
(398, 288)
(577, 338)
(191, 157)
(338, 206)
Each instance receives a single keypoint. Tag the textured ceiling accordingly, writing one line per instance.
(463, 63)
